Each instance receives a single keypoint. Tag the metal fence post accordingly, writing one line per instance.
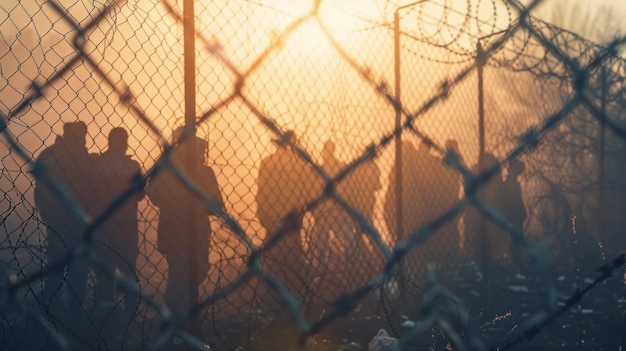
(482, 243)
(190, 153)
(601, 160)
(398, 156)
(401, 235)
(481, 60)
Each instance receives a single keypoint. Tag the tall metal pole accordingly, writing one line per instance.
(398, 160)
(483, 245)
(398, 175)
(400, 230)
(601, 161)
(480, 63)
(190, 152)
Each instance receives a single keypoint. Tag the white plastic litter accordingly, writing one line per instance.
(383, 342)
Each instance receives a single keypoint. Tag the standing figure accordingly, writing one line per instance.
(68, 163)
(359, 190)
(416, 205)
(333, 233)
(415, 211)
(512, 206)
(118, 240)
(286, 184)
(498, 240)
(485, 240)
(184, 229)
(448, 182)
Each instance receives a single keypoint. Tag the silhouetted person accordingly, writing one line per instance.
(489, 243)
(183, 213)
(333, 233)
(118, 238)
(438, 190)
(417, 207)
(285, 184)
(417, 192)
(512, 206)
(449, 181)
(68, 163)
(498, 239)
(410, 192)
(359, 190)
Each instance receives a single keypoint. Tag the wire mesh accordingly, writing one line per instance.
(310, 202)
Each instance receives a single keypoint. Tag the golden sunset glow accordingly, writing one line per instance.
(355, 165)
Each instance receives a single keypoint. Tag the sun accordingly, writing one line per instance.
(339, 19)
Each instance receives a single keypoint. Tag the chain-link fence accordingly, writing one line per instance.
(277, 174)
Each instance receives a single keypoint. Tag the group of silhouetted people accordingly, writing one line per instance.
(109, 186)
(286, 184)
(430, 188)
(321, 259)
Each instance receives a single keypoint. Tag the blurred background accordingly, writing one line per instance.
(507, 189)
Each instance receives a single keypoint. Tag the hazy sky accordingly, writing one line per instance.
(585, 9)
(577, 14)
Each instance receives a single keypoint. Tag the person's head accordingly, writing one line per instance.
(329, 149)
(290, 138)
(287, 140)
(424, 146)
(177, 134)
(118, 140)
(75, 133)
(201, 144)
(516, 168)
(201, 148)
(486, 160)
(452, 145)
